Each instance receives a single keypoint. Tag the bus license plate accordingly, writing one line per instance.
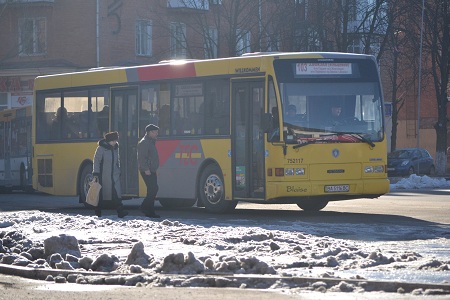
(337, 188)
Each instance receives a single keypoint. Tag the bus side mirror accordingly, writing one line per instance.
(266, 122)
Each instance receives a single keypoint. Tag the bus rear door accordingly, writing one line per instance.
(248, 139)
(124, 119)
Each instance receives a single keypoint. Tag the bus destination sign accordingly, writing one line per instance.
(323, 69)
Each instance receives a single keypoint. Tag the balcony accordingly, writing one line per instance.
(199, 5)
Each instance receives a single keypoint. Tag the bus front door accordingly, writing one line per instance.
(248, 139)
(124, 119)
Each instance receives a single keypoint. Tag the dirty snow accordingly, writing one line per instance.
(421, 182)
(144, 252)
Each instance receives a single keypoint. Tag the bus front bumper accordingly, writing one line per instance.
(340, 190)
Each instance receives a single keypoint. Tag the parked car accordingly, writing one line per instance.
(407, 161)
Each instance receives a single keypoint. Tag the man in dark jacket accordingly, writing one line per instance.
(148, 163)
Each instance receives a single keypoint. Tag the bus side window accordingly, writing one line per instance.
(274, 135)
(164, 119)
(148, 113)
(217, 108)
(60, 118)
(103, 121)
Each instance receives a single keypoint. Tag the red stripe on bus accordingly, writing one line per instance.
(166, 71)
(165, 150)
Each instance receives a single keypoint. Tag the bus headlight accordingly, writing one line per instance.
(378, 169)
(292, 171)
(374, 169)
(300, 171)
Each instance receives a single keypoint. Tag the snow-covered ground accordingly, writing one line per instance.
(151, 248)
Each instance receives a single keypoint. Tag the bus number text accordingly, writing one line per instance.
(295, 160)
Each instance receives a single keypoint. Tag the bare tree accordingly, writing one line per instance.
(398, 55)
(437, 42)
(226, 28)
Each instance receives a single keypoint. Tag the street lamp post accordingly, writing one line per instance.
(420, 78)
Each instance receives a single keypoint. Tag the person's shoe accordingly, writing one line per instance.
(98, 213)
(122, 213)
(152, 215)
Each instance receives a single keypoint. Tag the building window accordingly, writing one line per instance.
(191, 4)
(243, 42)
(352, 10)
(211, 42)
(143, 38)
(177, 40)
(32, 36)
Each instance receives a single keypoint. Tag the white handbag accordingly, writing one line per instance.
(93, 194)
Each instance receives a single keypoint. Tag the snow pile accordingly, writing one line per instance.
(421, 182)
(141, 252)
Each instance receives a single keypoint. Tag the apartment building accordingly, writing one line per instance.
(56, 36)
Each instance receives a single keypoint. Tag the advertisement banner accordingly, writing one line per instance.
(21, 99)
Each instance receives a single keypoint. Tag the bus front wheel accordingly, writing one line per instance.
(312, 205)
(212, 191)
(85, 179)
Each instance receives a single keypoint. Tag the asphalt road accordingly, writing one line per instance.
(414, 206)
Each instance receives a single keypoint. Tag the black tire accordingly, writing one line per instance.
(411, 171)
(312, 205)
(212, 191)
(177, 203)
(83, 182)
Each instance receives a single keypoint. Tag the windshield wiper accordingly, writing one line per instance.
(364, 139)
(358, 136)
(315, 141)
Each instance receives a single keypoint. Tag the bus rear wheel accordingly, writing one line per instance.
(312, 205)
(212, 191)
(85, 179)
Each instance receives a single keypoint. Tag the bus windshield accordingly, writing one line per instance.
(331, 108)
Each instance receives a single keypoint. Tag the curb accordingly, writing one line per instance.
(369, 285)
(42, 273)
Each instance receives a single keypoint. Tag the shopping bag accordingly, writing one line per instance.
(93, 192)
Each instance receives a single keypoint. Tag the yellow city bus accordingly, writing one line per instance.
(15, 149)
(225, 135)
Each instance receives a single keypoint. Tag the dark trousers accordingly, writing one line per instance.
(151, 181)
(116, 202)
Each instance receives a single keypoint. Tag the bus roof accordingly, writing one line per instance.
(249, 63)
